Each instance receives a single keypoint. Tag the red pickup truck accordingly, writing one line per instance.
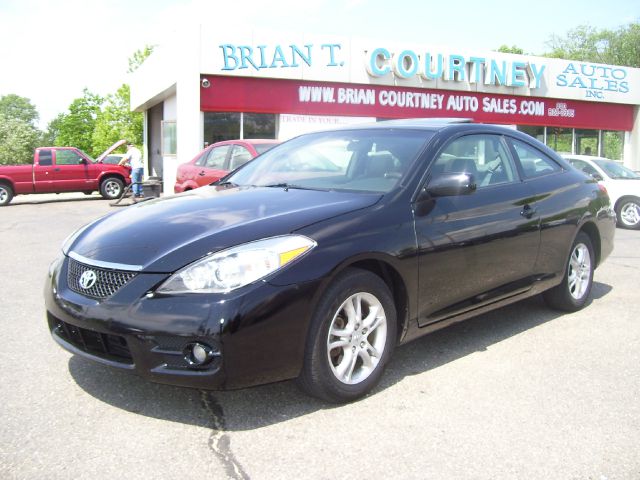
(63, 169)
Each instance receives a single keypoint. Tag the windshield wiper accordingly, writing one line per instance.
(218, 183)
(286, 186)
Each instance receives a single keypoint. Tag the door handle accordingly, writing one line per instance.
(528, 211)
(202, 174)
(56, 169)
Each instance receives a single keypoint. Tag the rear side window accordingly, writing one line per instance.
(44, 157)
(239, 156)
(534, 163)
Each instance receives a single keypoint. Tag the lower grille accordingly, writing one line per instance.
(103, 345)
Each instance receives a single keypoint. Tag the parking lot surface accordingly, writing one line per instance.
(523, 392)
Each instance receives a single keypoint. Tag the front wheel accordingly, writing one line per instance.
(573, 292)
(111, 188)
(352, 336)
(628, 213)
(6, 194)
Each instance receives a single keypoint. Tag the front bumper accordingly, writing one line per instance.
(256, 334)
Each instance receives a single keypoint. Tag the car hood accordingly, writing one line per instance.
(109, 150)
(166, 234)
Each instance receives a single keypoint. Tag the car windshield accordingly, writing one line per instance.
(615, 170)
(362, 160)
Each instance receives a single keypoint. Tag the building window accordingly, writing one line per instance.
(535, 132)
(258, 125)
(587, 142)
(560, 139)
(220, 126)
(169, 138)
(612, 144)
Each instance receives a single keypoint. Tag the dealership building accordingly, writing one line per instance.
(208, 85)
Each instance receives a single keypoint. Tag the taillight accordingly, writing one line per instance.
(603, 189)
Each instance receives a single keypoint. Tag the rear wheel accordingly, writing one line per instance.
(6, 194)
(111, 188)
(628, 213)
(351, 338)
(573, 292)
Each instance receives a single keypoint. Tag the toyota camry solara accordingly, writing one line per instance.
(315, 260)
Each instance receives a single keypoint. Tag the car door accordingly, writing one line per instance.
(476, 248)
(558, 204)
(43, 172)
(212, 168)
(72, 172)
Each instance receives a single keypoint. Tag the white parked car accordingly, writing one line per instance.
(622, 183)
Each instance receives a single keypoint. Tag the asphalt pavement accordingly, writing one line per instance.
(524, 392)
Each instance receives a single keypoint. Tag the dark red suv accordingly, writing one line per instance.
(215, 161)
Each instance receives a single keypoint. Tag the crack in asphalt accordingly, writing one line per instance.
(219, 442)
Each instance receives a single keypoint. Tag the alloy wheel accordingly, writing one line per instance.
(357, 338)
(579, 275)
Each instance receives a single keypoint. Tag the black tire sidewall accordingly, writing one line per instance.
(573, 303)
(103, 189)
(9, 193)
(619, 208)
(320, 379)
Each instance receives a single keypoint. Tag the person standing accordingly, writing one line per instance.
(134, 159)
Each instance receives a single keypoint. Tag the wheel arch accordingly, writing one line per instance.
(9, 183)
(623, 198)
(394, 281)
(593, 233)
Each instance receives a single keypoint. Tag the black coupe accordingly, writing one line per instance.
(317, 258)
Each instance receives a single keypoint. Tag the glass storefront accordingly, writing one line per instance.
(603, 143)
(220, 126)
(612, 144)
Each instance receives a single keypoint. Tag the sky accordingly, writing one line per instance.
(50, 50)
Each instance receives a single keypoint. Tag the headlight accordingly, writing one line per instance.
(238, 266)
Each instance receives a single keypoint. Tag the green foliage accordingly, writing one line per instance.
(75, 129)
(588, 44)
(18, 138)
(116, 122)
(510, 49)
(18, 133)
(138, 57)
(20, 108)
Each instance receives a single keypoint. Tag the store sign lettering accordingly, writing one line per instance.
(454, 68)
(596, 80)
(260, 57)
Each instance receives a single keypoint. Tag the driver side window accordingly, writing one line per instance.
(483, 156)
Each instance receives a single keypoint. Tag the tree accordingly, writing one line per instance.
(75, 129)
(117, 121)
(138, 57)
(510, 49)
(19, 108)
(18, 132)
(17, 140)
(588, 44)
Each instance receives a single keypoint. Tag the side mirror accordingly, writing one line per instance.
(451, 184)
(597, 176)
(83, 161)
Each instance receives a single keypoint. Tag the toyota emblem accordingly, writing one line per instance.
(88, 279)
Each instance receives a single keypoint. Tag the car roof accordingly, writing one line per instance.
(571, 156)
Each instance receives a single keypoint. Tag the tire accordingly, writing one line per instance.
(6, 194)
(111, 188)
(573, 292)
(349, 343)
(628, 213)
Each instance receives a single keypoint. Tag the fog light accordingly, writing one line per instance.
(198, 354)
